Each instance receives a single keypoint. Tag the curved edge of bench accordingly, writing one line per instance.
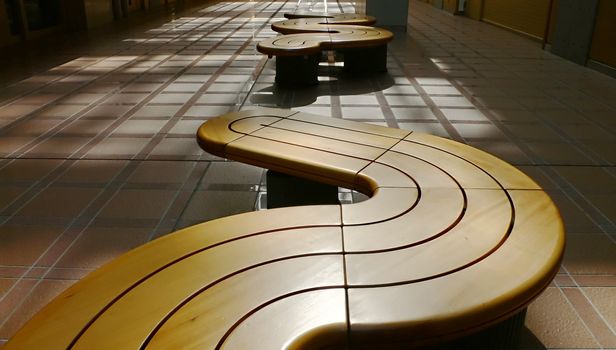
(309, 43)
(310, 24)
(219, 134)
(514, 300)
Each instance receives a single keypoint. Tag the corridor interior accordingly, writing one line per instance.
(98, 153)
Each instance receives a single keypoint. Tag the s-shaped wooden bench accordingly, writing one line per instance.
(452, 241)
(298, 51)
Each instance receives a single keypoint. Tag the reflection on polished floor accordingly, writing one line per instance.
(98, 152)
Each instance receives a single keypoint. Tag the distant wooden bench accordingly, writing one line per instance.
(451, 242)
(365, 19)
(298, 51)
(308, 14)
(297, 22)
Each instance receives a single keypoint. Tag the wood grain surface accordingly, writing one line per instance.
(308, 36)
(451, 241)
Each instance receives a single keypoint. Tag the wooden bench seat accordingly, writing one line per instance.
(309, 14)
(298, 50)
(451, 241)
(320, 24)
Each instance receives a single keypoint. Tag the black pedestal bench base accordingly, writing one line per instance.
(504, 335)
(297, 70)
(303, 70)
(365, 60)
(288, 191)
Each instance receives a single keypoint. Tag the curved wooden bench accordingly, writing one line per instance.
(308, 14)
(300, 24)
(325, 37)
(298, 51)
(452, 241)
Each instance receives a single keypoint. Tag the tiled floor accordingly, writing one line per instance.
(98, 153)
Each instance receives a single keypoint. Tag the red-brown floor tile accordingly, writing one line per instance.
(27, 170)
(59, 202)
(60, 111)
(560, 153)
(22, 245)
(208, 205)
(42, 294)
(507, 151)
(86, 127)
(575, 219)
(10, 144)
(138, 204)
(12, 299)
(178, 98)
(36, 272)
(8, 194)
(186, 127)
(604, 300)
(15, 111)
(5, 285)
(176, 149)
(140, 127)
(161, 172)
(595, 280)
(152, 111)
(33, 127)
(564, 281)
(58, 147)
(593, 320)
(602, 182)
(67, 273)
(99, 245)
(605, 203)
(590, 254)
(116, 147)
(107, 111)
(59, 247)
(552, 319)
(13, 271)
(142, 87)
(604, 150)
(126, 98)
(82, 98)
(92, 172)
(231, 173)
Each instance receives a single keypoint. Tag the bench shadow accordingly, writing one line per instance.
(333, 81)
(528, 341)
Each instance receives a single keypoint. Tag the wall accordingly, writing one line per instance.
(526, 16)
(78, 15)
(553, 21)
(98, 12)
(437, 3)
(473, 9)
(603, 47)
(391, 13)
(575, 24)
(583, 31)
(450, 6)
(5, 34)
(135, 5)
(74, 15)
